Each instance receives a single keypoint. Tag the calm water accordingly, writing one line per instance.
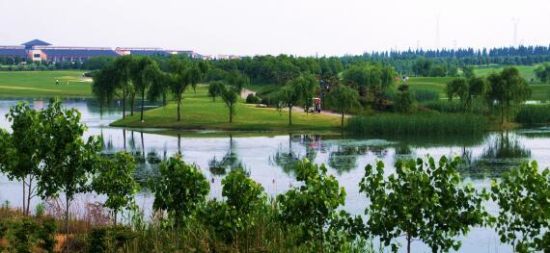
(270, 158)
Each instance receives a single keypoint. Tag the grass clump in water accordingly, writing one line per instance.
(418, 124)
(534, 115)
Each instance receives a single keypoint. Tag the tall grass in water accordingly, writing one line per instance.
(454, 106)
(418, 124)
(533, 115)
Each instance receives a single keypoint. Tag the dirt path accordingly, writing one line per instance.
(246, 92)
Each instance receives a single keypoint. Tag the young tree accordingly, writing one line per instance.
(215, 89)
(313, 205)
(114, 80)
(229, 96)
(115, 178)
(343, 99)
(468, 71)
(21, 150)
(69, 161)
(522, 195)
(180, 190)
(467, 90)
(421, 200)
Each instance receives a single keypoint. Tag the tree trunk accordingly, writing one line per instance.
(132, 103)
(67, 215)
(408, 243)
(290, 115)
(115, 216)
(179, 144)
(342, 120)
(28, 211)
(179, 107)
(142, 103)
(124, 104)
(230, 114)
(24, 189)
(124, 138)
(502, 113)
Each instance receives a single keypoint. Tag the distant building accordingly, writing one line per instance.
(38, 50)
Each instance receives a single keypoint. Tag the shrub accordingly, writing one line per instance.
(97, 240)
(430, 123)
(252, 99)
(533, 115)
(404, 100)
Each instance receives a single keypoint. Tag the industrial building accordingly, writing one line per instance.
(38, 50)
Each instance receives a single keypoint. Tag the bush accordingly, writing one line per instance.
(533, 115)
(418, 124)
(252, 99)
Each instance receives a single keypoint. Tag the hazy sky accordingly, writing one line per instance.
(249, 27)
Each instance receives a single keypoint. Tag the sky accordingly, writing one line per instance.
(259, 27)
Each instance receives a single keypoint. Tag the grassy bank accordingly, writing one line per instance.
(200, 112)
(42, 84)
(418, 124)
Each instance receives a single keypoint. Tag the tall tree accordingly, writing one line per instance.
(69, 160)
(291, 95)
(21, 150)
(114, 81)
(343, 98)
(543, 73)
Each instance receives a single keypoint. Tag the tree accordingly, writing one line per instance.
(343, 99)
(215, 89)
(506, 89)
(246, 200)
(291, 95)
(229, 96)
(543, 73)
(21, 150)
(422, 200)
(115, 179)
(522, 196)
(69, 161)
(144, 72)
(183, 75)
(312, 206)
(372, 80)
(180, 189)
(467, 89)
(308, 84)
(405, 101)
(468, 71)
(114, 80)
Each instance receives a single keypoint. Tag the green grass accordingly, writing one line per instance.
(432, 123)
(199, 112)
(42, 84)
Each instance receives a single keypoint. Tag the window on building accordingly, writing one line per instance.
(36, 55)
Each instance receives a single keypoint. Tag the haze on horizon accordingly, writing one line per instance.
(299, 27)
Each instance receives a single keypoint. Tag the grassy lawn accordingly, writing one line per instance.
(42, 84)
(200, 112)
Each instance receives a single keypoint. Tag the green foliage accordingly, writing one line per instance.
(23, 238)
(422, 200)
(245, 202)
(468, 71)
(97, 240)
(404, 101)
(418, 124)
(533, 115)
(507, 89)
(40, 210)
(371, 80)
(343, 99)
(115, 179)
(543, 73)
(179, 190)
(46, 235)
(422, 95)
(522, 196)
(468, 90)
(22, 150)
(215, 89)
(252, 99)
(312, 206)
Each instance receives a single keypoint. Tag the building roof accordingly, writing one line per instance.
(12, 51)
(77, 52)
(36, 42)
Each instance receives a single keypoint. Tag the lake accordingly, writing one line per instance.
(270, 157)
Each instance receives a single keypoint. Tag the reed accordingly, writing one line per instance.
(530, 115)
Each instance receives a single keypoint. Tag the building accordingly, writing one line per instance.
(38, 50)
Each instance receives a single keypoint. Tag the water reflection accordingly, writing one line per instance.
(230, 161)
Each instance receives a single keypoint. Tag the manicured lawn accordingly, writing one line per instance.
(42, 84)
(200, 112)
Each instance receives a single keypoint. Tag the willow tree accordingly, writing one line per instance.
(506, 89)
(343, 99)
(114, 81)
(184, 74)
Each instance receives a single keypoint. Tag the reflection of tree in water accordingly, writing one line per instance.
(379, 151)
(503, 153)
(344, 159)
(229, 161)
(404, 151)
(287, 160)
